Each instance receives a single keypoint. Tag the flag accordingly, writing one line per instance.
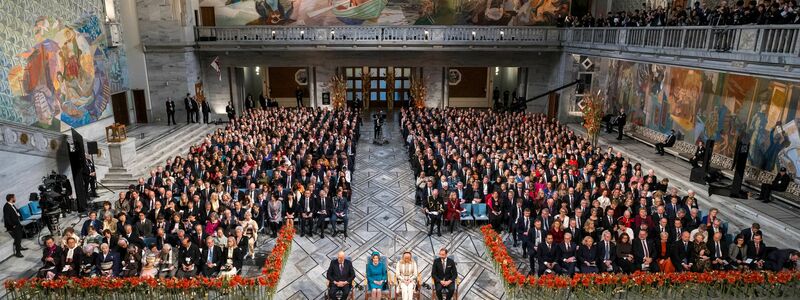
(215, 66)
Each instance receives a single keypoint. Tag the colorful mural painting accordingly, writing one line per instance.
(58, 72)
(703, 104)
(387, 12)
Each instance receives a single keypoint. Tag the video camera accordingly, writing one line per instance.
(54, 193)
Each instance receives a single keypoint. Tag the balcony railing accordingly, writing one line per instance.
(380, 35)
(765, 40)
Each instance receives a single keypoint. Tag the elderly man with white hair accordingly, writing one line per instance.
(340, 277)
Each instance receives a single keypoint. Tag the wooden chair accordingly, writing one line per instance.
(396, 294)
(388, 291)
(457, 283)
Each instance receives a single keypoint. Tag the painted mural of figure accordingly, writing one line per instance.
(777, 142)
(757, 139)
(70, 55)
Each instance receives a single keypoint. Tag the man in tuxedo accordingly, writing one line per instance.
(13, 223)
(340, 277)
(188, 103)
(170, 112)
(699, 155)
(780, 183)
(196, 109)
(669, 141)
(757, 252)
(444, 275)
(566, 255)
(548, 257)
(210, 258)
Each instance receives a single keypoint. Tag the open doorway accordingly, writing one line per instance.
(504, 86)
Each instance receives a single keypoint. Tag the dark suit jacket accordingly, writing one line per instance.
(681, 253)
(563, 253)
(238, 258)
(188, 256)
(779, 259)
(751, 251)
(601, 252)
(216, 257)
(547, 254)
(712, 247)
(10, 217)
(670, 141)
(77, 257)
(447, 273)
(347, 274)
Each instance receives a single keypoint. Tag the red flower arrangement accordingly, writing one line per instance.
(240, 287)
(716, 284)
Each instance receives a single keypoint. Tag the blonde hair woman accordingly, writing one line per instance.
(250, 228)
(407, 276)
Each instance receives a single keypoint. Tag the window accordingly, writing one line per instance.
(379, 87)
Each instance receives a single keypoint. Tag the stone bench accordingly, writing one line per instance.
(681, 149)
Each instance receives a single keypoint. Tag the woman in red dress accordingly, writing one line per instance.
(453, 211)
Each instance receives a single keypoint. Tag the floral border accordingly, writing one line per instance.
(716, 284)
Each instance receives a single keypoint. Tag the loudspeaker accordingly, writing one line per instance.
(91, 147)
(708, 155)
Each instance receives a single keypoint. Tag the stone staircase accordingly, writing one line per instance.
(154, 153)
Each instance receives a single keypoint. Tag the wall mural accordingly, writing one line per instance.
(57, 71)
(705, 104)
(387, 12)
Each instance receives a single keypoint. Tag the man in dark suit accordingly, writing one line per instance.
(307, 208)
(719, 252)
(323, 210)
(566, 255)
(781, 259)
(444, 275)
(669, 141)
(751, 232)
(699, 155)
(298, 94)
(757, 252)
(73, 255)
(206, 110)
(340, 277)
(548, 257)
(188, 256)
(170, 112)
(606, 253)
(230, 111)
(196, 109)
(12, 221)
(188, 103)
(210, 258)
(644, 253)
(682, 253)
(621, 119)
(523, 226)
(780, 183)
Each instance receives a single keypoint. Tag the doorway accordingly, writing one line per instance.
(207, 16)
(379, 85)
(140, 105)
(119, 104)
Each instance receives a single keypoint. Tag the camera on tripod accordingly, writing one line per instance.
(54, 193)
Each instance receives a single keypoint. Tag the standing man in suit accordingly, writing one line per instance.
(669, 141)
(780, 183)
(249, 103)
(621, 119)
(444, 274)
(170, 112)
(699, 154)
(196, 108)
(522, 228)
(206, 111)
(340, 277)
(12, 220)
(187, 103)
(298, 93)
(230, 111)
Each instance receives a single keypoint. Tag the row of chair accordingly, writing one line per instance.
(31, 217)
(474, 212)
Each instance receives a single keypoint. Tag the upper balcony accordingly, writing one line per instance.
(764, 50)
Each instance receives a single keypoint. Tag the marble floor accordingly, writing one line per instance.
(383, 218)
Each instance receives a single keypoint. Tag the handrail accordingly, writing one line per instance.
(773, 40)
